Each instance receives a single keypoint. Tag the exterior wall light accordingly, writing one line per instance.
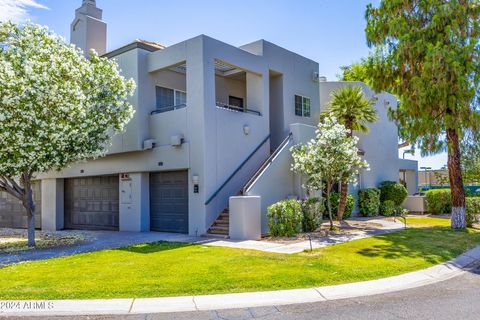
(246, 130)
(195, 181)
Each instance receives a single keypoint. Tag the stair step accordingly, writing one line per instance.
(218, 228)
(214, 235)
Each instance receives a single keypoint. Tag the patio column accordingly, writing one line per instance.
(52, 204)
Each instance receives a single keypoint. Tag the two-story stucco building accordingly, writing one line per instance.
(207, 117)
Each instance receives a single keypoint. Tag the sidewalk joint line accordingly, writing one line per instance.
(131, 306)
(194, 303)
(321, 295)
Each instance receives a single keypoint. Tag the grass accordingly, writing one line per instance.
(16, 243)
(171, 269)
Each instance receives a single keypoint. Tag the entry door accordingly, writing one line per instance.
(169, 201)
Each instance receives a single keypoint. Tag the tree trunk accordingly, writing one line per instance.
(30, 206)
(342, 202)
(458, 220)
(329, 206)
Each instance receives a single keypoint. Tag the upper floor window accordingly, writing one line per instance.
(170, 99)
(302, 106)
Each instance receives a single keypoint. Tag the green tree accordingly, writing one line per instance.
(56, 107)
(357, 71)
(330, 158)
(352, 109)
(427, 53)
(470, 149)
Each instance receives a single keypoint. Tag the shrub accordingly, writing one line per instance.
(335, 199)
(388, 208)
(438, 201)
(394, 191)
(369, 201)
(285, 218)
(312, 209)
(472, 210)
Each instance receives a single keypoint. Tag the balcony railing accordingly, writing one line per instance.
(237, 108)
(168, 108)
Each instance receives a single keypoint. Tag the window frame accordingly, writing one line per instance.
(175, 92)
(305, 112)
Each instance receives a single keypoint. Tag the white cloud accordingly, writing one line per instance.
(17, 10)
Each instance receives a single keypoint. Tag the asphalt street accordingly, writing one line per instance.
(457, 299)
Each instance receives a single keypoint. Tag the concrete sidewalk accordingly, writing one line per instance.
(242, 300)
(384, 226)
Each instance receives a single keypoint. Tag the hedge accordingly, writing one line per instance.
(285, 218)
(394, 191)
(335, 199)
(387, 208)
(438, 201)
(473, 210)
(312, 210)
(369, 201)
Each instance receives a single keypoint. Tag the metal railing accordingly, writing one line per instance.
(265, 165)
(237, 108)
(237, 170)
(168, 108)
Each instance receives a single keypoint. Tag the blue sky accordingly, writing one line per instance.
(328, 31)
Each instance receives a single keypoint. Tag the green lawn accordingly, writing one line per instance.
(171, 269)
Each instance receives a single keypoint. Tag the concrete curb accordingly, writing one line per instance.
(410, 280)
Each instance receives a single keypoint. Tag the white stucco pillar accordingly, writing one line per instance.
(52, 204)
(245, 218)
(134, 206)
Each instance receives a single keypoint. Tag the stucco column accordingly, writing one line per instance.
(134, 206)
(52, 204)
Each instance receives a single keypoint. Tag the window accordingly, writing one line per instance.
(235, 101)
(180, 98)
(302, 106)
(170, 98)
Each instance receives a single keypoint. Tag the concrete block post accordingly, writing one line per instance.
(52, 204)
(245, 218)
(134, 207)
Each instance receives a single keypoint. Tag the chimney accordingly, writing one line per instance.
(87, 30)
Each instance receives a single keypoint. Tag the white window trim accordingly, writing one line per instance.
(174, 93)
(303, 110)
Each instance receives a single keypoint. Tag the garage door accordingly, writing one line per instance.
(91, 203)
(169, 201)
(12, 212)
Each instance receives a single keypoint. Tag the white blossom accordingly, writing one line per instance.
(331, 157)
(56, 107)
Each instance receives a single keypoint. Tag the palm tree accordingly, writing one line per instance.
(351, 108)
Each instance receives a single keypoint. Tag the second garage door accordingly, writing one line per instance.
(169, 201)
(92, 203)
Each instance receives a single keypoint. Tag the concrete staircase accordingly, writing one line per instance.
(219, 228)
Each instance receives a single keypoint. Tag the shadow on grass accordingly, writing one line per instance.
(146, 248)
(434, 244)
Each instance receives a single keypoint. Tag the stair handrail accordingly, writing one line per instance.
(265, 164)
(237, 170)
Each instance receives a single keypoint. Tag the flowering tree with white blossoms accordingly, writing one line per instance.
(56, 107)
(331, 157)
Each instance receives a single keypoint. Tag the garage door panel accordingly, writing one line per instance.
(12, 212)
(169, 201)
(92, 203)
